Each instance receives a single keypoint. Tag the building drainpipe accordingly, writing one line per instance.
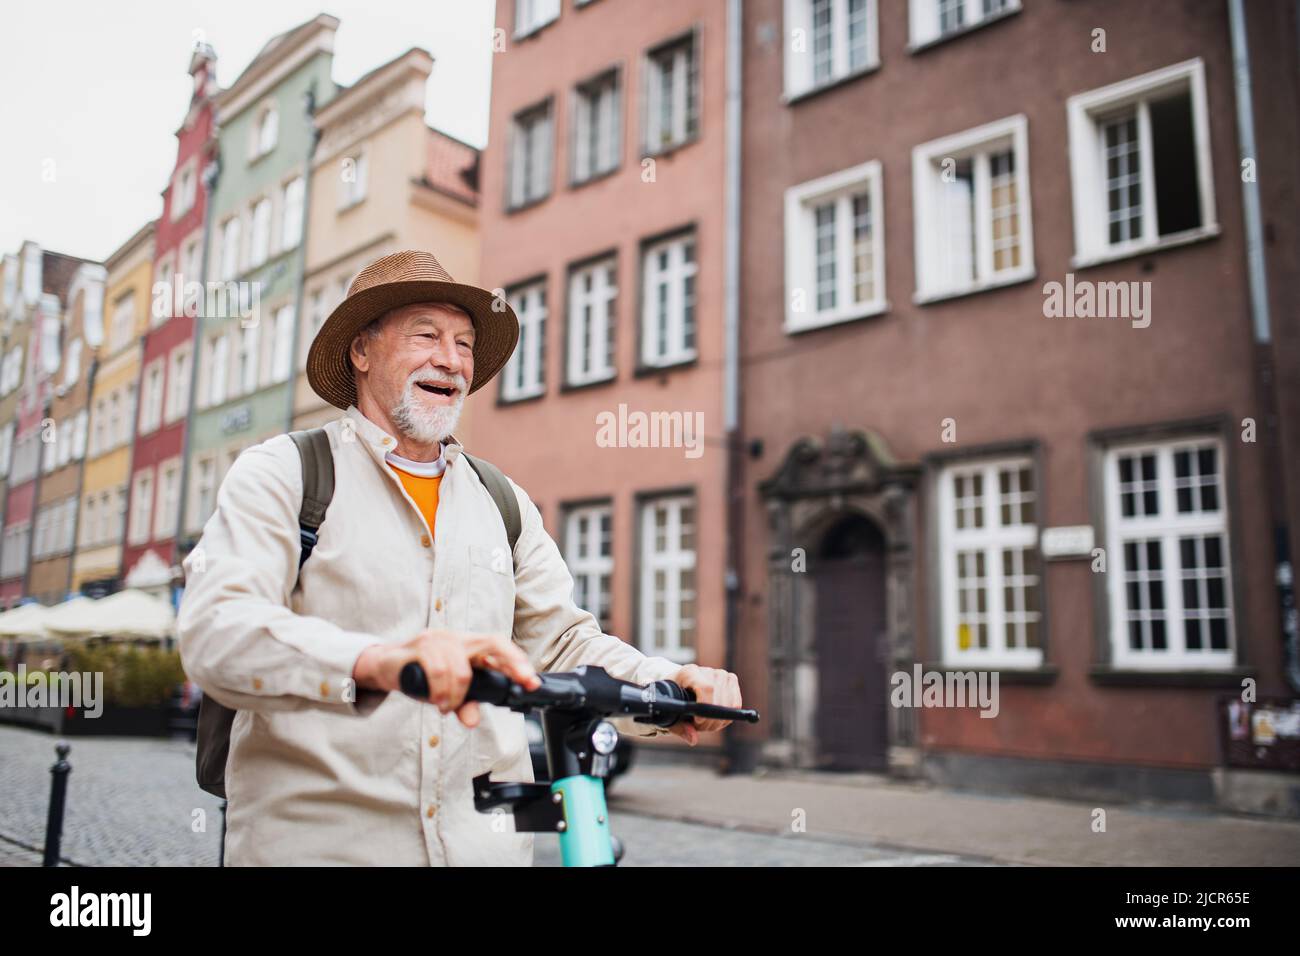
(81, 469)
(211, 174)
(312, 142)
(736, 756)
(1266, 379)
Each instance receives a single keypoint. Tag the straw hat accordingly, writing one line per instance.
(391, 282)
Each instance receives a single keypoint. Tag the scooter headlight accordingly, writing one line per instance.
(604, 738)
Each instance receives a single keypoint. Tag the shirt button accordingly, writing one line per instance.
(433, 740)
(324, 689)
(387, 441)
(431, 811)
(424, 540)
(257, 683)
(437, 605)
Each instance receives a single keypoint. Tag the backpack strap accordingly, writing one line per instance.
(317, 486)
(498, 486)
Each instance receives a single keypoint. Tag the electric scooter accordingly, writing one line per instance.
(579, 741)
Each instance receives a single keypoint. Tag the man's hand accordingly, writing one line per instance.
(711, 686)
(448, 659)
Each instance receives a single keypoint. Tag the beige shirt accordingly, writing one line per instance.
(314, 775)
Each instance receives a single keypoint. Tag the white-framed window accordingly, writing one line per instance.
(169, 490)
(353, 175)
(141, 506)
(191, 261)
(316, 312)
(971, 201)
(123, 322)
(230, 230)
(80, 424)
(282, 344)
(90, 521)
(178, 383)
(597, 127)
(249, 357)
(266, 131)
(151, 396)
(525, 374)
(827, 40)
(588, 551)
(1170, 584)
(72, 364)
(218, 368)
(291, 213)
(531, 146)
(50, 334)
(11, 370)
(990, 568)
(668, 597)
(184, 190)
(835, 248)
(668, 269)
(593, 298)
(672, 96)
(6, 448)
(203, 496)
(532, 15)
(932, 20)
(260, 248)
(1140, 164)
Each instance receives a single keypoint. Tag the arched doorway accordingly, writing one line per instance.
(851, 646)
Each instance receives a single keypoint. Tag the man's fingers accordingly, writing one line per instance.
(469, 713)
(687, 732)
(503, 655)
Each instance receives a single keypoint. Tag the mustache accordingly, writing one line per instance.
(434, 378)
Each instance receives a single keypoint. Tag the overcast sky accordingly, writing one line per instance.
(100, 88)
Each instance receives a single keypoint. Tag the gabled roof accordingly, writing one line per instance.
(280, 42)
(451, 167)
(57, 272)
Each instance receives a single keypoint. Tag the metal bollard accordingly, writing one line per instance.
(221, 854)
(58, 798)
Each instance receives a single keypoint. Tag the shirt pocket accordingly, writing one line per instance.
(492, 591)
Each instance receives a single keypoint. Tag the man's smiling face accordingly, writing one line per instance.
(414, 367)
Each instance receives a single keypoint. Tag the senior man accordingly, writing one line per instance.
(327, 765)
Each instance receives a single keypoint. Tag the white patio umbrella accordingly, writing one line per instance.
(24, 622)
(129, 613)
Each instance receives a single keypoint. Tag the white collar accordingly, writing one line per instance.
(421, 469)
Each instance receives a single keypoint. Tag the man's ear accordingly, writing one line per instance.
(357, 352)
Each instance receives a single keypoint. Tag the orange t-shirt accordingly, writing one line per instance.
(423, 491)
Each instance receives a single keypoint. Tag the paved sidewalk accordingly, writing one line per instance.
(926, 819)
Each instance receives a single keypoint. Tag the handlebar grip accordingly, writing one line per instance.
(490, 687)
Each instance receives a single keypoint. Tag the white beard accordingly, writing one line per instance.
(423, 424)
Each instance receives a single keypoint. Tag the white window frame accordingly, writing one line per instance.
(151, 396)
(1088, 170)
(532, 15)
(686, 95)
(281, 345)
(598, 103)
(259, 247)
(673, 561)
(532, 148)
(925, 24)
(928, 165)
(228, 251)
(525, 373)
(353, 191)
(801, 202)
(265, 132)
(990, 539)
(291, 212)
(1168, 526)
(166, 498)
(142, 491)
(678, 271)
(591, 322)
(179, 371)
(582, 553)
(800, 56)
(205, 486)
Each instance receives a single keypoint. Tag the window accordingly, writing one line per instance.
(1140, 164)
(827, 40)
(597, 130)
(971, 195)
(89, 522)
(530, 156)
(184, 191)
(248, 357)
(1167, 543)
(191, 260)
(525, 374)
(532, 15)
(141, 507)
(169, 489)
(671, 95)
(218, 368)
(593, 293)
(72, 366)
(589, 554)
(178, 384)
(230, 248)
(6, 448)
(352, 180)
(281, 345)
(316, 312)
(667, 603)
(50, 344)
(668, 301)
(123, 322)
(151, 396)
(989, 564)
(203, 499)
(266, 131)
(79, 427)
(291, 221)
(261, 247)
(834, 248)
(117, 517)
(933, 20)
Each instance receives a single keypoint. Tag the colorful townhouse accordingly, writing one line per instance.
(381, 181)
(165, 368)
(951, 470)
(13, 342)
(70, 355)
(97, 561)
(44, 280)
(257, 211)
